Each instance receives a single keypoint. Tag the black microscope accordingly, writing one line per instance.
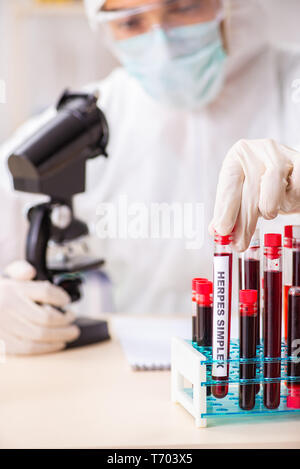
(52, 162)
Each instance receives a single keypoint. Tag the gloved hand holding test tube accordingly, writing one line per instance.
(257, 178)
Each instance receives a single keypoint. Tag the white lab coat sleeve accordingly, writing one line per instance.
(13, 204)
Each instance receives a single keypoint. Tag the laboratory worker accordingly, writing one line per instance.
(204, 118)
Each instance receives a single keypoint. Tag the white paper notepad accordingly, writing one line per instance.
(146, 342)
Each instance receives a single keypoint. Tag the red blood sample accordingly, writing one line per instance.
(288, 273)
(194, 303)
(272, 318)
(296, 267)
(248, 319)
(194, 328)
(249, 272)
(285, 308)
(293, 369)
(252, 282)
(291, 265)
(204, 316)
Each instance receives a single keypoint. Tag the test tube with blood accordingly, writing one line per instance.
(293, 348)
(221, 313)
(272, 318)
(248, 319)
(249, 277)
(291, 264)
(249, 273)
(194, 307)
(204, 316)
(287, 272)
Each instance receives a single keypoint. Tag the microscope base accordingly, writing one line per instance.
(92, 331)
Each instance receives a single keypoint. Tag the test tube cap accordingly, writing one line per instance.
(198, 280)
(204, 288)
(288, 236)
(273, 240)
(223, 240)
(291, 232)
(293, 398)
(248, 297)
(288, 231)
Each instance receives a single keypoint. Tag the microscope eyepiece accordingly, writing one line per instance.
(52, 160)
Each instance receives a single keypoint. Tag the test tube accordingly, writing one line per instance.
(262, 311)
(296, 256)
(221, 312)
(204, 316)
(194, 307)
(287, 272)
(204, 313)
(272, 317)
(291, 270)
(248, 320)
(249, 273)
(293, 342)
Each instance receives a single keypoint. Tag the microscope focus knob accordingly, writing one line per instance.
(71, 286)
(61, 216)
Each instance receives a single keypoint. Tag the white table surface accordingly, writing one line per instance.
(90, 398)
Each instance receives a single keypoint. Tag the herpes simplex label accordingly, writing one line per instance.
(221, 315)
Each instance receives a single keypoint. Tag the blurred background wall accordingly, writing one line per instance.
(47, 45)
(44, 48)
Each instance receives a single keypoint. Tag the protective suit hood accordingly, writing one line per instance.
(245, 25)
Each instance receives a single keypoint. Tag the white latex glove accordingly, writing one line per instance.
(258, 178)
(28, 328)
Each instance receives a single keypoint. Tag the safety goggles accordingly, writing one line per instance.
(127, 23)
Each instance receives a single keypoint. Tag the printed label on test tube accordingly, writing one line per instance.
(221, 315)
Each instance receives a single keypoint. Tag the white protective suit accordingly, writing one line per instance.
(159, 154)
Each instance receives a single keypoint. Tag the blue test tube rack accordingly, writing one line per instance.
(193, 364)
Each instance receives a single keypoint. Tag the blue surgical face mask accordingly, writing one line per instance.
(182, 67)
